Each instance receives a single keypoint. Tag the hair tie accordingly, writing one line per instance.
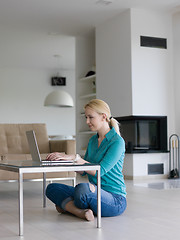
(110, 118)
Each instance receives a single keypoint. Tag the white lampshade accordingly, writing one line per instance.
(59, 99)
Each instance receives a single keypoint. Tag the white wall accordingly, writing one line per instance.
(176, 34)
(113, 60)
(22, 94)
(152, 75)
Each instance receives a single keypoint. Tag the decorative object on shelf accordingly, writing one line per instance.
(59, 99)
(90, 73)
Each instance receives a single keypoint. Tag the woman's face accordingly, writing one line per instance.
(94, 120)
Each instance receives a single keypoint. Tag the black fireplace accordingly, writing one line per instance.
(144, 133)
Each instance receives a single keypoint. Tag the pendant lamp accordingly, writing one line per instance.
(59, 98)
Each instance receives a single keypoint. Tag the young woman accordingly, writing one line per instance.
(106, 148)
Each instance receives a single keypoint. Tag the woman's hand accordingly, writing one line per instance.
(81, 161)
(58, 156)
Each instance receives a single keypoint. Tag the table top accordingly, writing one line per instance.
(28, 164)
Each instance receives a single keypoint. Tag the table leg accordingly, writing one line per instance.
(20, 185)
(98, 199)
(44, 189)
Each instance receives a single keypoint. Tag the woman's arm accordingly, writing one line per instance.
(114, 153)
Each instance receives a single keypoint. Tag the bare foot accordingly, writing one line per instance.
(88, 214)
(60, 210)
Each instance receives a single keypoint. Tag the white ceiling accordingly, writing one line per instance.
(33, 31)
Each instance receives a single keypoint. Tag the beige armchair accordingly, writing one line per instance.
(14, 147)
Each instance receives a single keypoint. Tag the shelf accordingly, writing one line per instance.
(88, 78)
(88, 95)
(86, 90)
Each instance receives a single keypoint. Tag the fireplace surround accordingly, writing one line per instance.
(144, 134)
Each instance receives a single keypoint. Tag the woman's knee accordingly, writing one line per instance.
(81, 189)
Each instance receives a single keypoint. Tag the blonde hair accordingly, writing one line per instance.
(102, 107)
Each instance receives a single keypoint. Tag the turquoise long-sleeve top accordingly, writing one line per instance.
(110, 155)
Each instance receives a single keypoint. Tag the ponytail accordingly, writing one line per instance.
(114, 123)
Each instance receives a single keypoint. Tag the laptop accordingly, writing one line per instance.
(34, 150)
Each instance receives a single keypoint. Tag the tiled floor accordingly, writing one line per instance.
(160, 185)
(153, 212)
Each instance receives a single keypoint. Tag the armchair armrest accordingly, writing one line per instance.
(67, 146)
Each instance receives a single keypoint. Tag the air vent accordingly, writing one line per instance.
(153, 42)
(155, 169)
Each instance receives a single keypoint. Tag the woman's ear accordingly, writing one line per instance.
(104, 116)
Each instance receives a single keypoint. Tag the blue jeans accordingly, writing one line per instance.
(83, 197)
